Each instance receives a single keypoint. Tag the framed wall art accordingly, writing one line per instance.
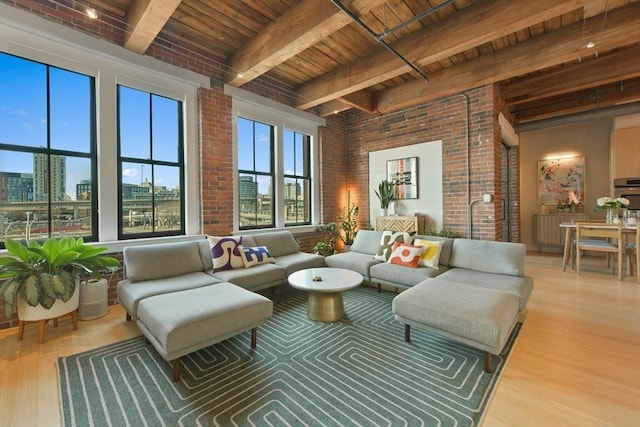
(561, 180)
(404, 174)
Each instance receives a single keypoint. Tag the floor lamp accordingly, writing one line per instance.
(486, 198)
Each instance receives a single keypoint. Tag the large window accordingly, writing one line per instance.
(47, 151)
(150, 164)
(256, 174)
(276, 158)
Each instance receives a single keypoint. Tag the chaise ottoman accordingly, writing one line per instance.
(479, 317)
(179, 323)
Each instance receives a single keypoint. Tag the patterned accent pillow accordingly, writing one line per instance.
(431, 255)
(386, 242)
(226, 252)
(407, 255)
(256, 255)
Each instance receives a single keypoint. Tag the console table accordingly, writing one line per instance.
(547, 227)
(401, 223)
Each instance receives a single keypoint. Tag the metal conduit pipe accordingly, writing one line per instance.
(418, 17)
(390, 48)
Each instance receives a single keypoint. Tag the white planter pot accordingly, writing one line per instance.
(30, 314)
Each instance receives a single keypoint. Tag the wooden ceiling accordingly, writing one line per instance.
(377, 56)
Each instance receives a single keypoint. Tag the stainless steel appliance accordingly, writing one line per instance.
(630, 189)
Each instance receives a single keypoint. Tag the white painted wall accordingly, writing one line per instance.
(429, 201)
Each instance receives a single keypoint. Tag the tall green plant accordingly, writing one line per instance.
(348, 223)
(386, 193)
(42, 274)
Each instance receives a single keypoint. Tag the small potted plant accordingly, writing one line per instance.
(386, 194)
(45, 276)
(348, 224)
(328, 246)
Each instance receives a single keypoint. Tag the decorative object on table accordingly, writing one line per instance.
(39, 280)
(403, 173)
(612, 206)
(385, 193)
(561, 181)
(348, 224)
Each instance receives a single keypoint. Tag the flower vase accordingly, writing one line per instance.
(612, 216)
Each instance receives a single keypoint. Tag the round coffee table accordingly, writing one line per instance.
(325, 287)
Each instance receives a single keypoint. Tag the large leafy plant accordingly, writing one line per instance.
(348, 223)
(42, 274)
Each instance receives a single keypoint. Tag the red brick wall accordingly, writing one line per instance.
(444, 120)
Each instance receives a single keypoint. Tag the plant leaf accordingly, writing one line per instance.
(29, 290)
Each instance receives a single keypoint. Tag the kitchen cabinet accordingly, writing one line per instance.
(625, 153)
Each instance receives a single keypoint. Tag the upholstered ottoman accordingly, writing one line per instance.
(182, 322)
(479, 317)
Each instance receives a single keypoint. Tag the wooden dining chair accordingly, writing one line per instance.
(633, 255)
(600, 237)
(572, 251)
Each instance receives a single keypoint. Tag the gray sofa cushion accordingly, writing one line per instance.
(392, 274)
(278, 242)
(367, 242)
(521, 286)
(164, 260)
(488, 256)
(352, 260)
(299, 261)
(254, 278)
(131, 293)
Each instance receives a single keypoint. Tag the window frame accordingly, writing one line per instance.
(250, 106)
(32, 38)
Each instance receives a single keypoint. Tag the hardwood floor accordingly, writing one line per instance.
(576, 361)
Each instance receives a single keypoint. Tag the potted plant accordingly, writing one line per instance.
(45, 276)
(348, 223)
(386, 194)
(328, 246)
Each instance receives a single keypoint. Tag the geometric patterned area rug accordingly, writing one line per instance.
(355, 372)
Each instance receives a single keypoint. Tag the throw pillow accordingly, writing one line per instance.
(386, 243)
(256, 255)
(431, 255)
(226, 252)
(407, 255)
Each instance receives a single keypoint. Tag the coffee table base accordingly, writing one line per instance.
(325, 306)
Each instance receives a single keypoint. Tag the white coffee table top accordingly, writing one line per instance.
(332, 279)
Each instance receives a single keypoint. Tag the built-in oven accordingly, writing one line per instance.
(630, 189)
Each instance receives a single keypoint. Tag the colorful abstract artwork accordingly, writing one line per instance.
(561, 180)
(404, 174)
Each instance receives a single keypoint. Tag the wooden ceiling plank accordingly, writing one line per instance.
(145, 19)
(299, 28)
(549, 50)
(620, 65)
(463, 30)
(618, 93)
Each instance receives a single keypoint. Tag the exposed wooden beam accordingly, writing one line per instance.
(549, 50)
(332, 107)
(145, 19)
(301, 27)
(590, 99)
(592, 72)
(363, 100)
(477, 24)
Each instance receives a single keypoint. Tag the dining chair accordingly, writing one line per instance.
(600, 237)
(634, 256)
(573, 245)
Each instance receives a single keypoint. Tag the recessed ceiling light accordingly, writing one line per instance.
(92, 13)
(590, 45)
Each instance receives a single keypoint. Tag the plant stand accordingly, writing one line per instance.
(60, 309)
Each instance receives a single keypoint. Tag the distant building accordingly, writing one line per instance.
(56, 167)
(16, 187)
(248, 188)
(83, 190)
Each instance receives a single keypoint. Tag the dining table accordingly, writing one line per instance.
(628, 229)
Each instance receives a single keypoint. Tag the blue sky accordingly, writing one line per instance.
(23, 122)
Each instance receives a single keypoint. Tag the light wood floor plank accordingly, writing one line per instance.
(576, 361)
